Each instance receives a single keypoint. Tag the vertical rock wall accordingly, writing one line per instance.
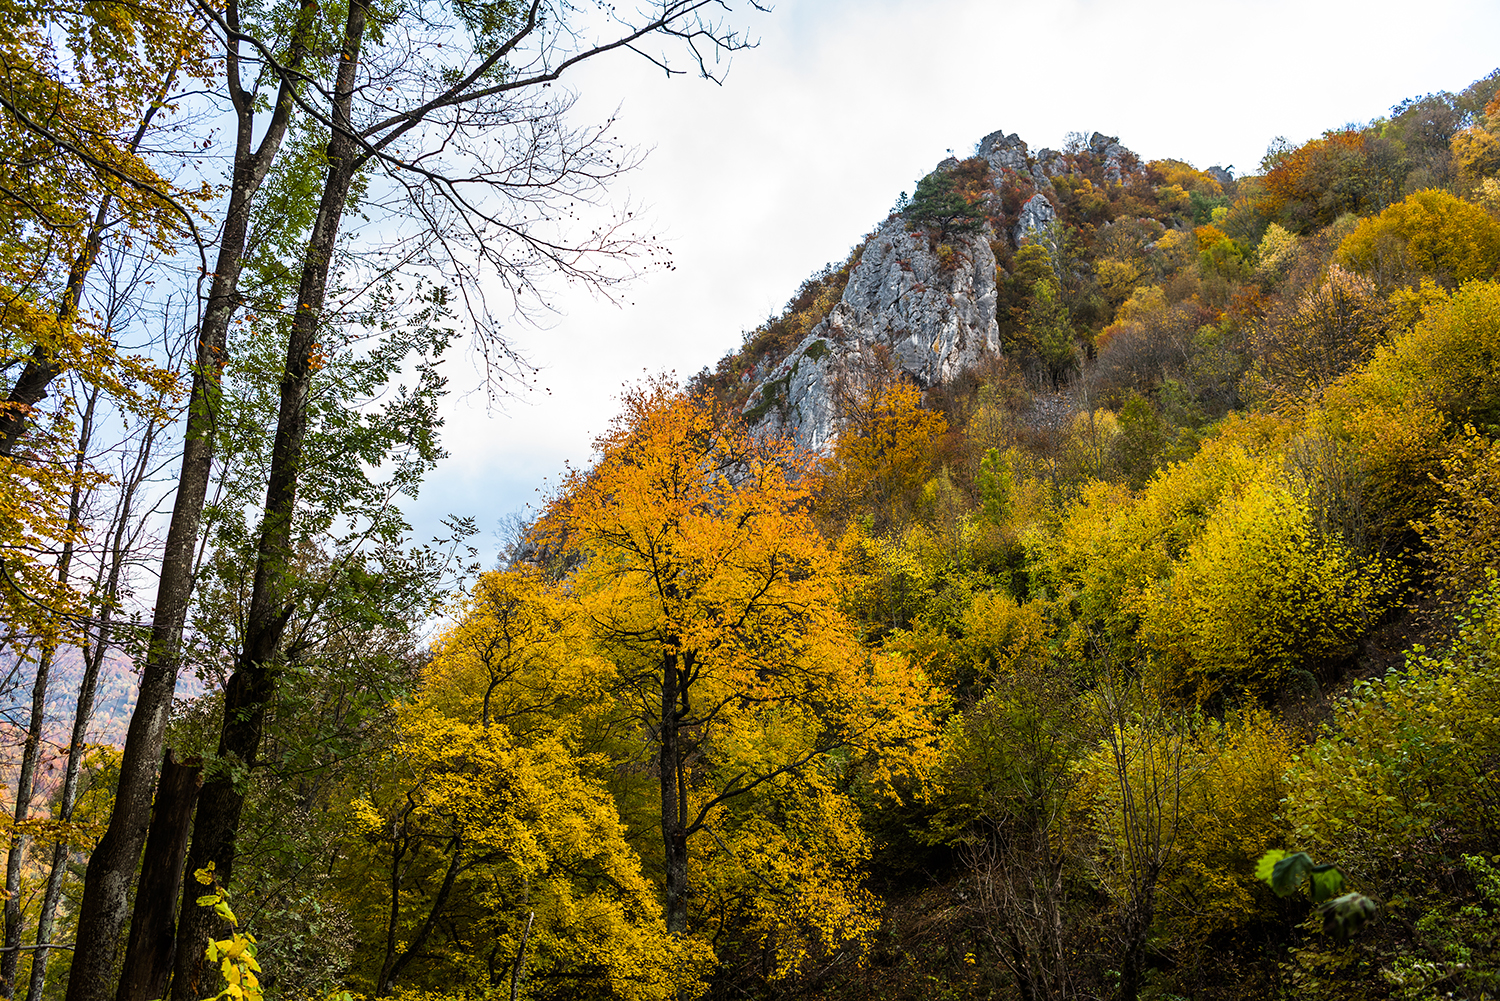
(913, 308)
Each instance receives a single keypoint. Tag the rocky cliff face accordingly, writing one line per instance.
(926, 312)
(917, 306)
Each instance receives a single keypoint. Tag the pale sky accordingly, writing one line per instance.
(844, 104)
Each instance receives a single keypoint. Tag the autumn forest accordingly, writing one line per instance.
(1153, 655)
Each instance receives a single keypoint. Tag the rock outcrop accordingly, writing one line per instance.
(916, 306)
(1005, 152)
(1037, 214)
(1109, 150)
(1220, 174)
(912, 309)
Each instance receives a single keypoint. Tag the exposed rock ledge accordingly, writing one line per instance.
(926, 312)
(922, 312)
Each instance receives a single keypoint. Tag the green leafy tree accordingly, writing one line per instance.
(952, 200)
(1049, 331)
(1007, 777)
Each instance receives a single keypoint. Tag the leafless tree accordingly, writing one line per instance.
(1138, 819)
(1027, 740)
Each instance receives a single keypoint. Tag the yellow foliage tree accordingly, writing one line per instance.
(716, 601)
(1449, 360)
(997, 637)
(883, 457)
(1178, 810)
(495, 822)
(1476, 153)
(1259, 593)
(1331, 328)
(1431, 232)
(1232, 816)
(1113, 545)
(1463, 530)
(83, 86)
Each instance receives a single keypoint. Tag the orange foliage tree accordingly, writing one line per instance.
(884, 457)
(1342, 172)
(716, 600)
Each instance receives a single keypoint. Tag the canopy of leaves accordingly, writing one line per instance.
(1431, 233)
(953, 200)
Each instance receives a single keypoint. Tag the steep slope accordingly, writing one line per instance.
(921, 303)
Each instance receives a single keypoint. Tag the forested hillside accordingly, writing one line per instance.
(1087, 589)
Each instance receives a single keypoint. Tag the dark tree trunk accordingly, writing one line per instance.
(395, 964)
(673, 794)
(30, 387)
(10, 961)
(102, 912)
(82, 716)
(253, 684)
(83, 713)
(148, 956)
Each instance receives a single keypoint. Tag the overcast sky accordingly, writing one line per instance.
(845, 103)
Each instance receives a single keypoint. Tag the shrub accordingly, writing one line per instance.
(1407, 762)
(1431, 232)
(1259, 593)
(1464, 529)
(1449, 360)
(1232, 814)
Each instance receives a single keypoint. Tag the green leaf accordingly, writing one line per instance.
(1343, 916)
(1287, 873)
(1267, 863)
(1326, 882)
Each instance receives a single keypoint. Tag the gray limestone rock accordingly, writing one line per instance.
(928, 313)
(913, 309)
(1049, 164)
(1005, 152)
(1108, 149)
(1035, 218)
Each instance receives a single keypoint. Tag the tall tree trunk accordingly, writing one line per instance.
(102, 911)
(673, 807)
(82, 716)
(25, 782)
(11, 958)
(253, 683)
(107, 585)
(148, 957)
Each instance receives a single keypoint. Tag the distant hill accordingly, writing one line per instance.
(114, 702)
